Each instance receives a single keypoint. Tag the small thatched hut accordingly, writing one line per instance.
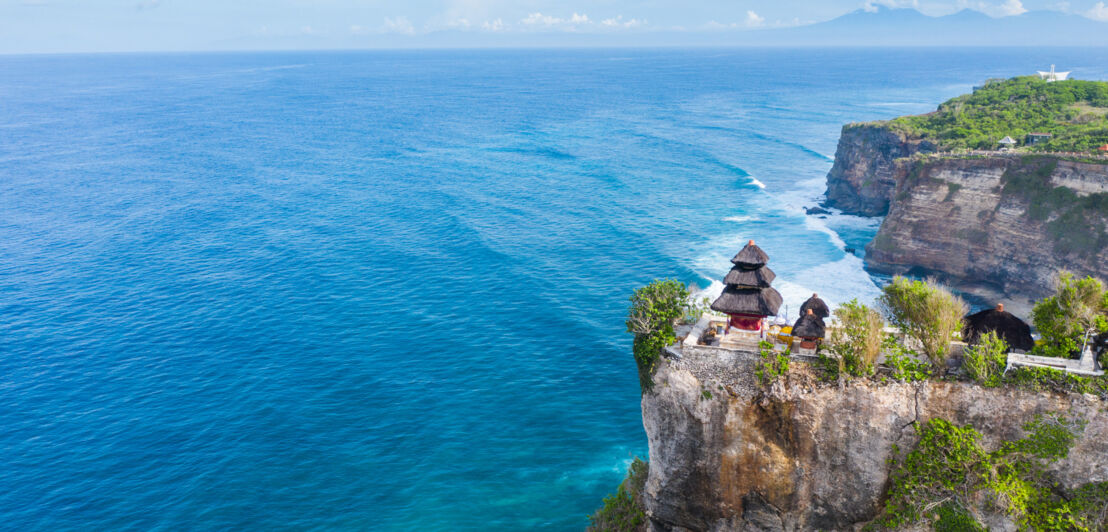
(817, 306)
(810, 329)
(748, 296)
(1007, 326)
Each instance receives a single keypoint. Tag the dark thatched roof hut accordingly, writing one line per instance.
(750, 257)
(748, 292)
(760, 277)
(1007, 326)
(748, 301)
(817, 306)
(809, 326)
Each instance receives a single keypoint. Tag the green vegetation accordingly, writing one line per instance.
(950, 474)
(985, 361)
(926, 312)
(903, 362)
(1049, 379)
(1077, 307)
(654, 309)
(1073, 111)
(623, 511)
(772, 365)
(857, 341)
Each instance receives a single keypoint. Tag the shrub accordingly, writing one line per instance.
(772, 365)
(1077, 307)
(857, 340)
(951, 468)
(1042, 379)
(903, 362)
(622, 511)
(654, 309)
(985, 361)
(926, 312)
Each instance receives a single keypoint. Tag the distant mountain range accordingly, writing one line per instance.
(880, 26)
(908, 27)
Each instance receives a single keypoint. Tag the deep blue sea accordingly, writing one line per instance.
(386, 290)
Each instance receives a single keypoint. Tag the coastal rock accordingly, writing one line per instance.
(866, 171)
(726, 454)
(952, 218)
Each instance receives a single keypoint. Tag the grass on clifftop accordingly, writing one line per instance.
(1075, 112)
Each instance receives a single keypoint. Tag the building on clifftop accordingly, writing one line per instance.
(748, 298)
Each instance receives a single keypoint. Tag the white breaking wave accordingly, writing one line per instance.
(754, 181)
(739, 219)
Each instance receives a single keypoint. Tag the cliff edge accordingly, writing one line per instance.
(728, 454)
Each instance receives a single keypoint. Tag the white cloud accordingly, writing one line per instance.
(618, 22)
(753, 20)
(871, 5)
(1098, 12)
(539, 19)
(399, 25)
(1005, 9)
(357, 30)
(459, 23)
(493, 25)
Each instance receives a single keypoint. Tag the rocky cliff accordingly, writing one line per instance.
(999, 225)
(1008, 222)
(866, 171)
(727, 454)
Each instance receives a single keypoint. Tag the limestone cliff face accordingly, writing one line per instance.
(727, 455)
(866, 172)
(953, 217)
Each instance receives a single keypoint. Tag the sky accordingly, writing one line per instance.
(51, 26)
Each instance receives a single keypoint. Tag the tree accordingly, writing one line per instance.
(654, 309)
(926, 312)
(857, 340)
(1078, 307)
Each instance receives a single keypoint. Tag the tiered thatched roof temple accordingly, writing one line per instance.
(748, 297)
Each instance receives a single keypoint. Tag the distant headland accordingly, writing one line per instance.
(993, 192)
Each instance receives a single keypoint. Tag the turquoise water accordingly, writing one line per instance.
(385, 290)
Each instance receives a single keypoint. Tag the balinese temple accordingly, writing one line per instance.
(1007, 326)
(817, 306)
(748, 297)
(810, 329)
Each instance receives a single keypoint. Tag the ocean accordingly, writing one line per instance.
(385, 290)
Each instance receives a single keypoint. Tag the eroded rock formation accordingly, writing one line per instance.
(725, 454)
(1000, 225)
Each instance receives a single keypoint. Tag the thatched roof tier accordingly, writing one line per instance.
(817, 306)
(756, 278)
(751, 257)
(749, 301)
(1007, 326)
(809, 326)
